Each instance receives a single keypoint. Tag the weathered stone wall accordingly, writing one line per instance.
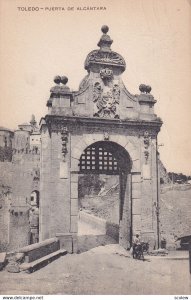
(18, 177)
(55, 202)
(149, 193)
(45, 186)
(25, 167)
(102, 225)
(95, 222)
(6, 138)
(4, 221)
(112, 230)
(18, 228)
(5, 202)
(6, 174)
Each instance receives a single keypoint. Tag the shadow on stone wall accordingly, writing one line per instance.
(87, 242)
(112, 230)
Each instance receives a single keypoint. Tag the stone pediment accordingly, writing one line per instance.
(102, 93)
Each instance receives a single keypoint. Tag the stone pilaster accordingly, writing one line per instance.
(136, 203)
(45, 190)
(125, 215)
(149, 195)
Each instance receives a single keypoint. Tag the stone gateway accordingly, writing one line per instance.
(101, 129)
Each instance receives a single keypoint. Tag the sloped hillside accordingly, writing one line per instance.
(103, 202)
(175, 205)
(106, 207)
(175, 212)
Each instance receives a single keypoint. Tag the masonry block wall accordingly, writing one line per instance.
(4, 221)
(17, 179)
(5, 202)
(55, 200)
(19, 228)
(25, 181)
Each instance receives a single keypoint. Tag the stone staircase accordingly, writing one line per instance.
(35, 256)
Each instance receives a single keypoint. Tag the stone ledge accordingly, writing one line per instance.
(36, 264)
(39, 250)
(37, 245)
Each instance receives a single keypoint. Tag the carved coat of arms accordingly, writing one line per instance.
(106, 95)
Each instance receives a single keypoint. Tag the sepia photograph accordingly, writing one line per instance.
(95, 148)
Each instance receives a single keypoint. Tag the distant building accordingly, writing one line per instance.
(19, 183)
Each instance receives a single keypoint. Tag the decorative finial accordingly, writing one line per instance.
(105, 29)
(59, 90)
(105, 57)
(55, 89)
(64, 80)
(57, 79)
(148, 89)
(105, 40)
(64, 88)
(145, 89)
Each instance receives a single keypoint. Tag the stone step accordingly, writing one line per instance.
(43, 261)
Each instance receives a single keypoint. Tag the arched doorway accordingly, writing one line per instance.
(34, 198)
(104, 162)
(34, 217)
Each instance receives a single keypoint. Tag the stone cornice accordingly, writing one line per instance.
(55, 123)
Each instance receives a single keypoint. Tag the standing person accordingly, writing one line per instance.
(137, 240)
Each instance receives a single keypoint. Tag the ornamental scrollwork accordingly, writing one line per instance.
(84, 83)
(97, 92)
(64, 138)
(146, 140)
(97, 56)
(116, 93)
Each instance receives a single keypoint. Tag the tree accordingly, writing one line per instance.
(89, 184)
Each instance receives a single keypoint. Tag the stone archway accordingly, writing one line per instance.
(35, 198)
(107, 157)
(101, 110)
(125, 142)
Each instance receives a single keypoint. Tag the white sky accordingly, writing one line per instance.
(152, 35)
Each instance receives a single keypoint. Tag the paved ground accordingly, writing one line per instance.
(102, 270)
(106, 270)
